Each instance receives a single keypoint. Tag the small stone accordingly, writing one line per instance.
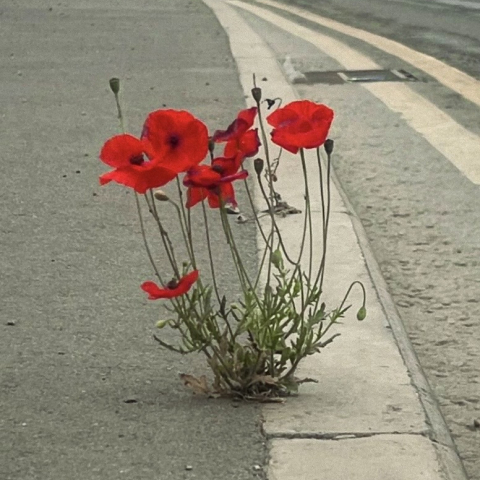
(19, 73)
(476, 423)
(83, 114)
(188, 467)
(257, 468)
(11, 323)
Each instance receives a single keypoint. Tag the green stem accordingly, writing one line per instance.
(308, 214)
(164, 236)
(144, 236)
(209, 248)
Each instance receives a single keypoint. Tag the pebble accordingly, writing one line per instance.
(188, 467)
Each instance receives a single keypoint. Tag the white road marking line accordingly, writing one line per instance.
(451, 77)
(456, 143)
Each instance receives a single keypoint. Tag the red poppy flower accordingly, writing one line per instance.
(300, 124)
(241, 141)
(238, 127)
(173, 289)
(134, 164)
(177, 137)
(206, 182)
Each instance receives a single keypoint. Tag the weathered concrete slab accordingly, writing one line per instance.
(383, 457)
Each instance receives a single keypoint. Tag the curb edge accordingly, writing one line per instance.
(439, 433)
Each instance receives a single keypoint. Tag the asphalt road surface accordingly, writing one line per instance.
(85, 392)
(445, 29)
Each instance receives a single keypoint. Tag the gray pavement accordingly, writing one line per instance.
(445, 29)
(85, 391)
(72, 258)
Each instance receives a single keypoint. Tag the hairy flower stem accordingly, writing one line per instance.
(186, 222)
(257, 220)
(163, 235)
(308, 214)
(325, 215)
(270, 182)
(144, 236)
(186, 239)
(237, 259)
(210, 255)
(356, 282)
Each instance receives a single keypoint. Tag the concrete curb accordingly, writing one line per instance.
(438, 431)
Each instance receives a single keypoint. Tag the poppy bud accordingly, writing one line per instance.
(257, 94)
(258, 165)
(115, 85)
(162, 323)
(328, 146)
(362, 313)
(160, 195)
(211, 145)
(277, 260)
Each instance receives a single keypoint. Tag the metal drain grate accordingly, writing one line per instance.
(354, 76)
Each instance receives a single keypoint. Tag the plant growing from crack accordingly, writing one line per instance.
(255, 343)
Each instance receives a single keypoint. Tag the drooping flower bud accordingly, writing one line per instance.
(257, 94)
(162, 323)
(277, 260)
(115, 85)
(161, 196)
(362, 313)
(258, 165)
(328, 146)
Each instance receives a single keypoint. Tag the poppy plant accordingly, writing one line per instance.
(173, 289)
(177, 137)
(210, 182)
(134, 164)
(300, 124)
(241, 142)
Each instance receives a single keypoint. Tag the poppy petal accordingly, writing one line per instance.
(195, 195)
(154, 291)
(178, 138)
(139, 178)
(118, 150)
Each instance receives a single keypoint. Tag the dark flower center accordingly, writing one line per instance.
(218, 168)
(172, 284)
(137, 160)
(173, 140)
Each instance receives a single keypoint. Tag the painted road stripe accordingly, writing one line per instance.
(451, 77)
(456, 143)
